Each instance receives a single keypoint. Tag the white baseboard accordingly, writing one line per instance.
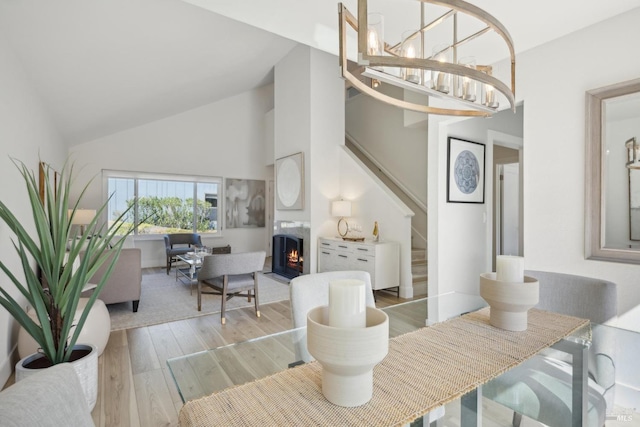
(406, 292)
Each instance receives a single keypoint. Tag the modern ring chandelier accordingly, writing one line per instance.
(438, 72)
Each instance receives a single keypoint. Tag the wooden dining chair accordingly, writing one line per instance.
(231, 275)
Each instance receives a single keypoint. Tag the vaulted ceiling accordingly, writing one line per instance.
(107, 65)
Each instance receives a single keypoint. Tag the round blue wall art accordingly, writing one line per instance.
(467, 172)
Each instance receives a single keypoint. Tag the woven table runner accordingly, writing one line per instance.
(424, 369)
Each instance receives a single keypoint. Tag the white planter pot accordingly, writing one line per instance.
(347, 355)
(86, 368)
(96, 328)
(510, 301)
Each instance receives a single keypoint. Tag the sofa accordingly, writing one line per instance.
(52, 397)
(125, 282)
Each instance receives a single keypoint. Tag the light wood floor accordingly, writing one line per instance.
(135, 385)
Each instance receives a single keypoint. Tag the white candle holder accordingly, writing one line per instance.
(347, 355)
(509, 301)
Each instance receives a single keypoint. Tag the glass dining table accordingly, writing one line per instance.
(203, 373)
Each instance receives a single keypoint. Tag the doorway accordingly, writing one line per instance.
(507, 218)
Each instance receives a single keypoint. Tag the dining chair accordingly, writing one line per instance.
(229, 275)
(312, 290)
(541, 387)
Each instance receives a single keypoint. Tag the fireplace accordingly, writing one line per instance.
(287, 254)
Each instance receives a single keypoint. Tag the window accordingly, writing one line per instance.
(163, 204)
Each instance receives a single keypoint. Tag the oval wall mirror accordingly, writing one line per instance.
(612, 197)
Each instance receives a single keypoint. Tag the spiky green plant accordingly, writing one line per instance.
(54, 251)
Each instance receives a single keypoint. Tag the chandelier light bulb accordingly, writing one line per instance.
(490, 97)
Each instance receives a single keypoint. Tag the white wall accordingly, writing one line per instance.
(552, 80)
(381, 130)
(309, 118)
(26, 134)
(327, 140)
(371, 203)
(461, 234)
(222, 139)
(292, 99)
(554, 139)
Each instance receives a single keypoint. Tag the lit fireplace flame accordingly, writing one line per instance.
(293, 256)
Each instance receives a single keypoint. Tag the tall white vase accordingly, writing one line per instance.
(347, 355)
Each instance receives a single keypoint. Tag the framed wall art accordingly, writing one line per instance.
(245, 203)
(465, 171)
(290, 182)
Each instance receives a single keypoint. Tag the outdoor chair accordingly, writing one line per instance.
(179, 244)
(229, 275)
(540, 388)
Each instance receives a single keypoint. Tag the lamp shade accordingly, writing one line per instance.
(341, 208)
(82, 216)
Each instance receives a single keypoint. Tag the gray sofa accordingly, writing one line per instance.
(50, 398)
(125, 282)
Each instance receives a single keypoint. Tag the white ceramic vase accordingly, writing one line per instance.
(510, 301)
(96, 329)
(86, 368)
(347, 355)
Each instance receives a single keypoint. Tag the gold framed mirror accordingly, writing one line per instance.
(611, 184)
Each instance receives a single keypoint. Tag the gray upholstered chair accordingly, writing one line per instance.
(50, 398)
(229, 275)
(541, 387)
(178, 244)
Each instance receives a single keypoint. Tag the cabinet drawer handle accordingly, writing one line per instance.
(365, 260)
(326, 253)
(363, 249)
(343, 256)
(343, 247)
(326, 244)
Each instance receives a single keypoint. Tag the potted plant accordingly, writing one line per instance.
(53, 275)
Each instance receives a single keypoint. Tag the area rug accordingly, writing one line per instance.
(164, 299)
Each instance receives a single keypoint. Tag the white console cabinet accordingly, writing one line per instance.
(380, 259)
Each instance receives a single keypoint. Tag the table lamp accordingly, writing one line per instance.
(82, 217)
(341, 209)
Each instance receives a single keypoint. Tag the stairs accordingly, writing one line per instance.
(419, 271)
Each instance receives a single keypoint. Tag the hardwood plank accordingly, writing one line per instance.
(185, 337)
(141, 350)
(166, 347)
(117, 388)
(207, 329)
(210, 376)
(155, 406)
(136, 387)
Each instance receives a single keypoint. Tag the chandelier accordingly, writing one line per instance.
(437, 72)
